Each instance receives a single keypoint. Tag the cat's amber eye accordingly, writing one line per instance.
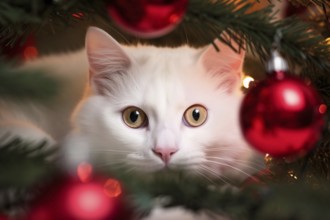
(134, 117)
(195, 115)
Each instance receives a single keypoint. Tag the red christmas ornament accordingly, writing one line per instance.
(82, 198)
(2, 217)
(147, 18)
(282, 115)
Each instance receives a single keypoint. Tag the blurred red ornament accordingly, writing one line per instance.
(281, 116)
(2, 217)
(147, 18)
(24, 49)
(82, 198)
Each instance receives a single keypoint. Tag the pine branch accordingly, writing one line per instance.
(22, 164)
(23, 167)
(26, 84)
(253, 202)
(300, 43)
(18, 19)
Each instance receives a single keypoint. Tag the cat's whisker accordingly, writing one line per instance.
(143, 167)
(247, 163)
(111, 150)
(142, 163)
(216, 174)
(222, 147)
(218, 149)
(204, 176)
(129, 169)
(230, 166)
(112, 164)
(185, 34)
(188, 161)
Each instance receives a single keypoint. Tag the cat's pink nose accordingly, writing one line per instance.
(165, 153)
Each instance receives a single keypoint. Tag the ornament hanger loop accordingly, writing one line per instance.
(277, 62)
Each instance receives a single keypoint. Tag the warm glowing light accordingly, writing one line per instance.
(323, 108)
(327, 41)
(291, 97)
(84, 172)
(88, 201)
(112, 188)
(30, 52)
(174, 18)
(246, 81)
(291, 174)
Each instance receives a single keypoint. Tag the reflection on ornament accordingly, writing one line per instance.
(323, 109)
(147, 18)
(247, 81)
(293, 98)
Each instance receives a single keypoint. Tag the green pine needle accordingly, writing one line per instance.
(23, 164)
(281, 201)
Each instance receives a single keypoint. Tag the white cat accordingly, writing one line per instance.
(156, 108)
(152, 108)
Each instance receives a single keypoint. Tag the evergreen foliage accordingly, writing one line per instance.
(300, 190)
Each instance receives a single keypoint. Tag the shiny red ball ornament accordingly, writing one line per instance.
(147, 18)
(83, 198)
(3, 217)
(281, 116)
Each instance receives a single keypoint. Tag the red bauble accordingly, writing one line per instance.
(73, 199)
(281, 116)
(2, 217)
(147, 18)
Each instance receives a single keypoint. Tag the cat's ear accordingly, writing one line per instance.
(104, 52)
(225, 62)
(105, 56)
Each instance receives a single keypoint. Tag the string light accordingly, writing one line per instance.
(246, 81)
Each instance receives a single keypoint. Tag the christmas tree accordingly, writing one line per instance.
(295, 187)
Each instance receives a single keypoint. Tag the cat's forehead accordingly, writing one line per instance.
(170, 78)
(145, 54)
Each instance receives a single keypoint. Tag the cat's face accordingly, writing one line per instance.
(158, 108)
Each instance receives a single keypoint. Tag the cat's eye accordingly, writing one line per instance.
(134, 117)
(195, 115)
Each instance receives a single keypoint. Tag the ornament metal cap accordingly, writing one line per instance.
(277, 63)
